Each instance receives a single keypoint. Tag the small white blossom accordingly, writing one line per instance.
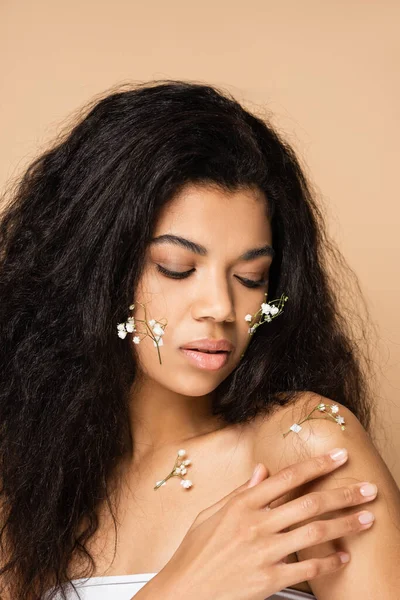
(248, 318)
(136, 339)
(152, 322)
(295, 427)
(158, 330)
(183, 471)
(187, 462)
(321, 406)
(186, 483)
(129, 327)
(340, 420)
(334, 408)
(266, 308)
(122, 334)
(274, 310)
(121, 326)
(182, 452)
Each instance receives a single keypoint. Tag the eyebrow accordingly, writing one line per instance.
(168, 238)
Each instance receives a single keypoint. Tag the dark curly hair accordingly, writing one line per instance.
(73, 236)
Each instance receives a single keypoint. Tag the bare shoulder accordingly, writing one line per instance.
(374, 553)
(308, 420)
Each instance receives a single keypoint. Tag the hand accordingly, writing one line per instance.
(235, 549)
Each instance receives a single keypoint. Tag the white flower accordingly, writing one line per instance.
(129, 327)
(152, 322)
(181, 452)
(248, 318)
(321, 406)
(131, 307)
(136, 339)
(187, 462)
(121, 326)
(183, 471)
(340, 420)
(266, 308)
(295, 427)
(132, 319)
(186, 483)
(334, 408)
(158, 330)
(122, 334)
(274, 310)
(177, 471)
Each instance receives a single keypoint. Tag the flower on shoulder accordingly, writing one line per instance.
(322, 407)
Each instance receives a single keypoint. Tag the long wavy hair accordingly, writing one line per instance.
(73, 234)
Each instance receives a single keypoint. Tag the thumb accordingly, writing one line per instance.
(259, 473)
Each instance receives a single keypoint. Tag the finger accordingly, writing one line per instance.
(316, 532)
(315, 503)
(289, 478)
(306, 570)
(258, 476)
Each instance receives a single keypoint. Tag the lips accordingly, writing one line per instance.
(211, 361)
(209, 345)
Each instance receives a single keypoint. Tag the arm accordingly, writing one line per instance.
(373, 571)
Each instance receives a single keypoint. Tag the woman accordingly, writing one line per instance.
(170, 217)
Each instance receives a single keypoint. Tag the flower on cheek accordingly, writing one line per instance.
(154, 329)
(266, 313)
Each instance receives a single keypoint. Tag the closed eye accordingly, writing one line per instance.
(185, 274)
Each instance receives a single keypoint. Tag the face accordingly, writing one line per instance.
(203, 289)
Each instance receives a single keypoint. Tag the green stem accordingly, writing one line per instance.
(310, 419)
(168, 476)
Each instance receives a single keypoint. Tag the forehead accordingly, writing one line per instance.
(217, 217)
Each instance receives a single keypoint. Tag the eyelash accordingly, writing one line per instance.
(176, 275)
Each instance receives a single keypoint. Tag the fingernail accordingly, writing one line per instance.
(338, 453)
(368, 489)
(255, 473)
(366, 517)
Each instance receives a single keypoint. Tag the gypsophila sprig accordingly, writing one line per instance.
(321, 407)
(178, 471)
(154, 329)
(267, 312)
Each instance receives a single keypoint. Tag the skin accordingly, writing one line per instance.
(171, 402)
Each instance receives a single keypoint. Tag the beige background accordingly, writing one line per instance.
(327, 70)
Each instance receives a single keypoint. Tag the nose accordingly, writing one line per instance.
(214, 301)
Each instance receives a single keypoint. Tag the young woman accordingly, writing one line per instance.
(170, 319)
